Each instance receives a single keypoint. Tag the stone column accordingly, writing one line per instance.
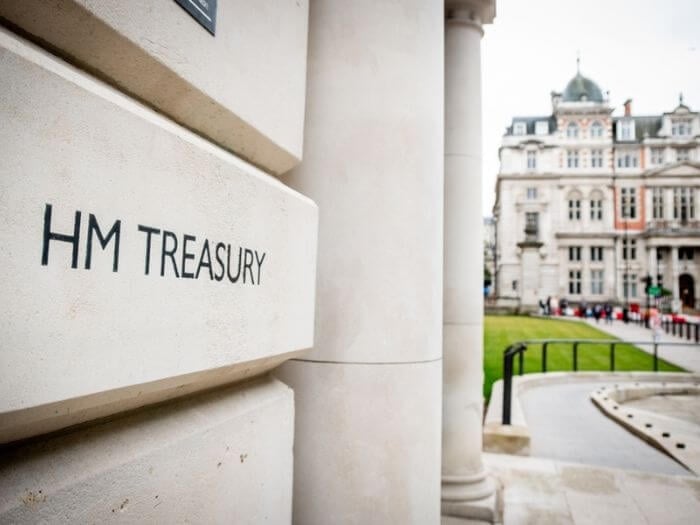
(368, 395)
(466, 489)
(675, 273)
(652, 265)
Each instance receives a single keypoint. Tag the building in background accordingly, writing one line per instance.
(589, 204)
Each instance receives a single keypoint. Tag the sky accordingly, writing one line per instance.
(646, 50)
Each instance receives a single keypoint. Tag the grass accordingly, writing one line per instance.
(502, 331)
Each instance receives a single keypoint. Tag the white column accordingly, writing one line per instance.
(466, 489)
(651, 264)
(675, 272)
(368, 395)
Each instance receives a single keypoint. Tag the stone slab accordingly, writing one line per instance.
(244, 88)
(72, 144)
(221, 457)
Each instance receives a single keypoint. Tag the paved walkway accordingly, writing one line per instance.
(546, 491)
(687, 357)
(565, 425)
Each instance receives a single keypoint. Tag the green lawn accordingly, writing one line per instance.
(501, 331)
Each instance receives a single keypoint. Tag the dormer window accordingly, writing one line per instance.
(625, 130)
(680, 127)
(519, 128)
(572, 130)
(542, 127)
(596, 130)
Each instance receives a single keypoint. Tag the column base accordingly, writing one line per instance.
(471, 497)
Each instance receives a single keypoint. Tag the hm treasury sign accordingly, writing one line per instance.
(138, 259)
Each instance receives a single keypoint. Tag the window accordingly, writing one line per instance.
(657, 156)
(574, 253)
(683, 203)
(629, 285)
(685, 253)
(596, 253)
(680, 127)
(596, 209)
(519, 128)
(625, 130)
(514, 285)
(572, 158)
(532, 220)
(628, 159)
(597, 282)
(574, 209)
(628, 203)
(531, 193)
(596, 158)
(596, 130)
(657, 203)
(575, 282)
(572, 130)
(682, 154)
(629, 249)
(542, 127)
(531, 160)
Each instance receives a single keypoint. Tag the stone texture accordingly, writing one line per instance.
(222, 457)
(243, 88)
(70, 333)
(369, 437)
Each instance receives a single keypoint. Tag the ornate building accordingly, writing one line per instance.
(588, 204)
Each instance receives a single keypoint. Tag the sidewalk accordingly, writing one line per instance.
(687, 357)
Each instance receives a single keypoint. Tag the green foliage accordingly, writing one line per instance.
(502, 331)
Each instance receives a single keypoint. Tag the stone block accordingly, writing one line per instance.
(221, 457)
(243, 88)
(139, 261)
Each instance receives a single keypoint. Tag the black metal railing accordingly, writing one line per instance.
(518, 349)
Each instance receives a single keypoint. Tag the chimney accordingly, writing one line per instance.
(628, 107)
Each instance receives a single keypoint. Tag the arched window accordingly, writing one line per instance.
(572, 130)
(596, 200)
(574, 206)
(596, 130)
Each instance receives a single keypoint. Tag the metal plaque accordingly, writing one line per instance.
(203, 11)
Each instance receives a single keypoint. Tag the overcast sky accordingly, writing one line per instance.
(646, 50)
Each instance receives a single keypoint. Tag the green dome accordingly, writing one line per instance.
(581, 89)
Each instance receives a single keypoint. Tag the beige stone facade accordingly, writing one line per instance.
(237, 244)
(588, 204)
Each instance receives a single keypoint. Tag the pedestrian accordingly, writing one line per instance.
(548, 309)
(608, 313)
(597, 310)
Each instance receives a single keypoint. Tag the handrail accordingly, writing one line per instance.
(519, 348)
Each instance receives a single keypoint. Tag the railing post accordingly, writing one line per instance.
(544, 354)
(697, 332)
(575, 357)
(612, 357)
(656, 357)
(507, 384)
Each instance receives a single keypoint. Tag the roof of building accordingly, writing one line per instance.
(530, 124)
(581, 89)
(644, 126)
